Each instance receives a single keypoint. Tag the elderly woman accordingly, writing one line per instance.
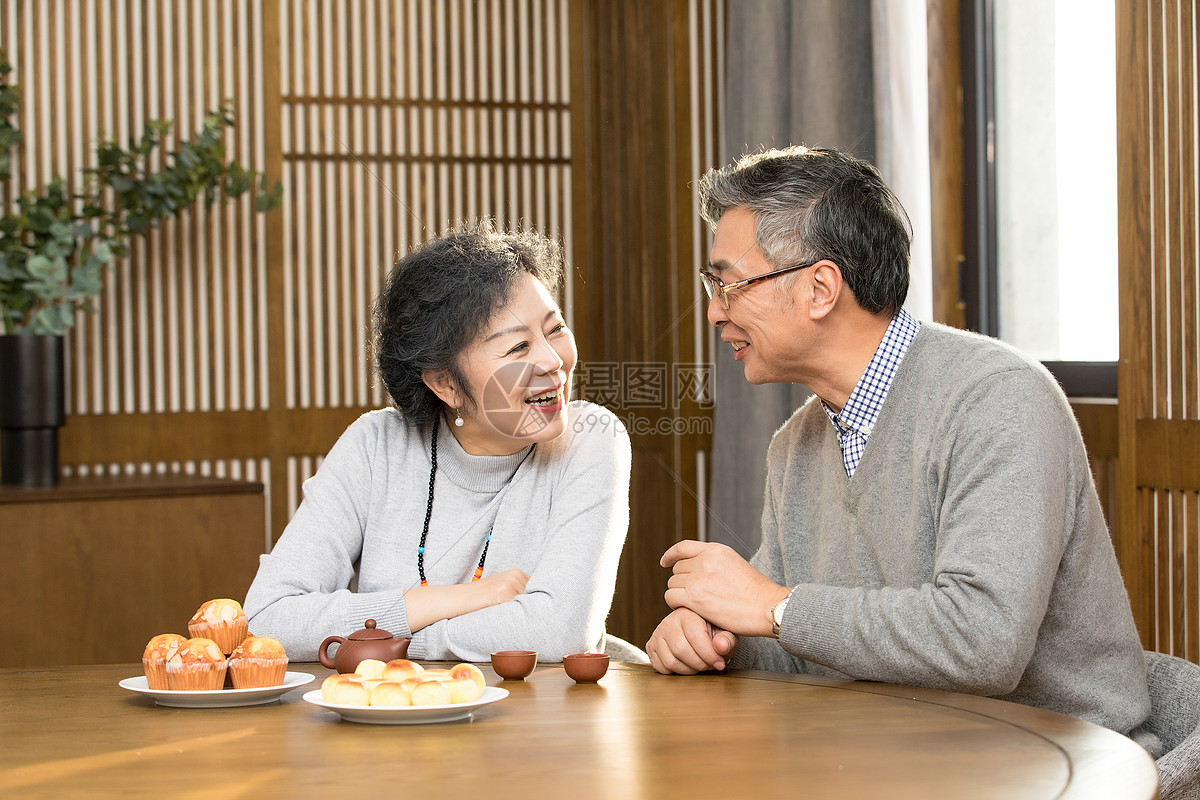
(485, 511)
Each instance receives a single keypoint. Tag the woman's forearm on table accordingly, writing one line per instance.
(429, 604)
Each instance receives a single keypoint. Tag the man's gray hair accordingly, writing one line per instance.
(816, 203)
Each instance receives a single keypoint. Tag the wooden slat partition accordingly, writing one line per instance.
(396, 121)
(234, 344)
(179, 325)
(386, 123)
(640, 305)
(1158, 537)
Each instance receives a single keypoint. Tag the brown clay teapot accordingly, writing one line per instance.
(370, 642)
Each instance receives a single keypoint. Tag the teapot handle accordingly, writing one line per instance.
(323, 650)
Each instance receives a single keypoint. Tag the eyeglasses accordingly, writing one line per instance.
(715, 286)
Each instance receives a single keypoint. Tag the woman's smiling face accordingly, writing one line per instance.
(518, 373)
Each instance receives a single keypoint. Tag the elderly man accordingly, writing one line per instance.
(929, 516)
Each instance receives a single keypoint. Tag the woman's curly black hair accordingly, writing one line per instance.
(439, 297)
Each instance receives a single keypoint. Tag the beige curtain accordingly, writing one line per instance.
(797, 72)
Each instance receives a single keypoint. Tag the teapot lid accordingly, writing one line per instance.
(370, 632)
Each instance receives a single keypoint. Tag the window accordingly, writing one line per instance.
(1040, 103)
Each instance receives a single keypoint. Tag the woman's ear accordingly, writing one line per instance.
(827, 285)
(441, 384)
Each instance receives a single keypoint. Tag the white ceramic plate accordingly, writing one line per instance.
(408, 715)
(217, 698)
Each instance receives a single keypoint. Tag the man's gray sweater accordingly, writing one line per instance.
(969, 551)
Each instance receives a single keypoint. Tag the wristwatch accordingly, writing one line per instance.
(777, 614)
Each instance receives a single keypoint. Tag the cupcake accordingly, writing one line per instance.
(223, 621)
(257, 662)
(196, 665)
(154, 658)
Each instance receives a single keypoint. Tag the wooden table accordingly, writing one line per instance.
(70, 731)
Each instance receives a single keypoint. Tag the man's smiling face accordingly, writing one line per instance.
(763, 323)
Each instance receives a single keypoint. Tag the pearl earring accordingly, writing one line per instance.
(458, 421)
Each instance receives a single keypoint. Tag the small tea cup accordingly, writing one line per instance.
(586, 667)
(514, 664)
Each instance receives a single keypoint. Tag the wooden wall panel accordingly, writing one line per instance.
(1159, 390)
(1098, 425)
(67, 565)
(946, 158)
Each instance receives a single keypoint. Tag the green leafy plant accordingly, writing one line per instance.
(55, 245)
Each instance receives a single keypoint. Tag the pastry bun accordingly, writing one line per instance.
(400, 669)
(390, 694)
(460, 671)
(404, 683)
(430, 693)
(370, 668)
(344, 692)
(464, 690)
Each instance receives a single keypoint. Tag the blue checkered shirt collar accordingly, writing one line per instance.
(857, 419)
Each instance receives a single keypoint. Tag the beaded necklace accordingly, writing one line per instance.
(429, 510)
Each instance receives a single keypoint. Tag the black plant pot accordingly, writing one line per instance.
(32, 408)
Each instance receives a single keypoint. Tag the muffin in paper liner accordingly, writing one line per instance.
(258, 662)
(222, 621)
(154, 658)
(198, 665)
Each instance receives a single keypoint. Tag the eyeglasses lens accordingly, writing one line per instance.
(711, 288)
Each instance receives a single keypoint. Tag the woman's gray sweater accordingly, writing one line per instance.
(559, 513)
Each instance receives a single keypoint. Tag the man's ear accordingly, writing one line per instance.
(825, 278)
(441, 384)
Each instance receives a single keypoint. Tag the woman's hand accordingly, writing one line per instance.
(429, 604)
(499, 588)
